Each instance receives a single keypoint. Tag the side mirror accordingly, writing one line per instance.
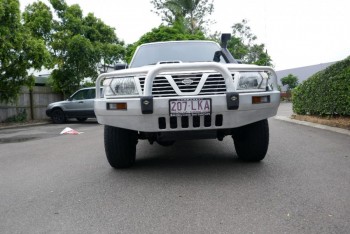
(120, 66)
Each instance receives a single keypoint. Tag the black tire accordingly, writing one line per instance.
(252, 141)
(120, 146)
(82, 120)
(58, 116)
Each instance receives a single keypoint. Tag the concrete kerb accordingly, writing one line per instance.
(25, 125)
(320, 126)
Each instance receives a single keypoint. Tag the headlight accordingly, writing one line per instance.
(253, 80)
(120, 86)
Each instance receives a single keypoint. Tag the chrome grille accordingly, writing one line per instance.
(161, 87)
(214, 84)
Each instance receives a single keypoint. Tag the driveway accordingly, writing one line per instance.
(56, 183)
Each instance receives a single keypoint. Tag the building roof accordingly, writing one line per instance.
(303, 73)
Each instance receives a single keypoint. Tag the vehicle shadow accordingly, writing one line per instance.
(194, 160)
(75, 121)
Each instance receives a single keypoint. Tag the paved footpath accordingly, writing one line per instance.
(285, 112)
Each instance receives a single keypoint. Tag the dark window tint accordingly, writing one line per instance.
(91, 94)
(80, 95)
(84, 94)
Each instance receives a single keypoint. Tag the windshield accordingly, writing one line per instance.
(183, 51)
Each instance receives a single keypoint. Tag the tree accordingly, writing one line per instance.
(291, 81)
(38, 19)
(162, 33)
(242, 46)
(77, 43)
(110, 54)
(19, 51)
(190, 13)
(108, 47)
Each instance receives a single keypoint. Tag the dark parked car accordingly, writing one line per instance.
(80, 106)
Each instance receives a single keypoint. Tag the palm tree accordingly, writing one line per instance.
(183, 8)
(191, 12)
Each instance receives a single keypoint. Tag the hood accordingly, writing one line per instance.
(58, 103)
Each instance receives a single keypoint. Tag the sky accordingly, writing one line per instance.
(296, 33)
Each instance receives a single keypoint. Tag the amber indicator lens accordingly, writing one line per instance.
(260, 99)
(117, 106)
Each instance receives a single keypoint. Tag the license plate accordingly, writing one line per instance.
(190, 107)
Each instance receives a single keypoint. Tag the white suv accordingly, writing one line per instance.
(183, 90)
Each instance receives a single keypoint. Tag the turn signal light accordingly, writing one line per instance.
(260, 99)
(117, 106)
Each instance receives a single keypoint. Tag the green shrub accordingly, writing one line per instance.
(19, 118)
(326, 92)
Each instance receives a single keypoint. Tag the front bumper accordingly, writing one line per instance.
(160, 120)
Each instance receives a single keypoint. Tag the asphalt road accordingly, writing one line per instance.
(51, 183)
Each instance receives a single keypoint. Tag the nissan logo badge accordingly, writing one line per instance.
(187, 81)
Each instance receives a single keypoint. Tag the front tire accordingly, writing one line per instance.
(120, 146)
(252, 141)
(58, 116)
